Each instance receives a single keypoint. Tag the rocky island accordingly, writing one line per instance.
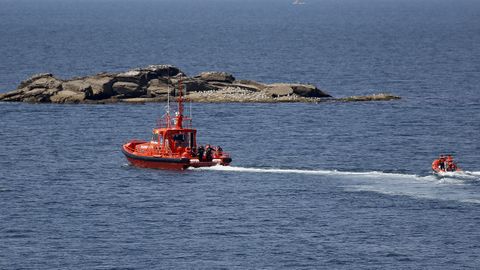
(154, 83)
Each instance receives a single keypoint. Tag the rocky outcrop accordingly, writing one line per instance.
(154, 83)
(39, 88)
(99, 88)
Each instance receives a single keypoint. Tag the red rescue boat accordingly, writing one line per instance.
(444, 164)
(174, 146)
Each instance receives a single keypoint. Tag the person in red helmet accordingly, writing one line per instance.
(438, 164)
(442, 162)
(451, 166)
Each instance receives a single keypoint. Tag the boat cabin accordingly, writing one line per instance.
(174, 141)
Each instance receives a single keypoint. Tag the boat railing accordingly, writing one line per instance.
(165, 123)
(187, 122)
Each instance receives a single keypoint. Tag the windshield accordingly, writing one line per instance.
(156, 137)
(182, 140)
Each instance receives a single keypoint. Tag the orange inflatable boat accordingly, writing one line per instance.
(444, 164)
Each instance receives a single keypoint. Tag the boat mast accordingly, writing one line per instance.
(190, 111)
(167, 116)
(179, 116)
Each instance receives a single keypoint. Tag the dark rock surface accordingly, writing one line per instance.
(213, 76)
(158, 87)
(154, 83)
(127, 89)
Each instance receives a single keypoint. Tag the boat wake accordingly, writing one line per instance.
(473, 173)
(446, 177)
(462, 175)
(455, 186)
(301, 171)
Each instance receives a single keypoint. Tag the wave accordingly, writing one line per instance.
(450, 187)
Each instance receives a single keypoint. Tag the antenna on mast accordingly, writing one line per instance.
(168, 95)
(167, 116)
(189, 111)
(179, 114)
(190, 101)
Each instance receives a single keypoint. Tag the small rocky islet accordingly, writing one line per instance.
(154, 83)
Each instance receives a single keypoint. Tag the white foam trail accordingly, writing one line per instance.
(425, 187)
(465, 176)
(449, 177)
(297, 171)
(263, 170)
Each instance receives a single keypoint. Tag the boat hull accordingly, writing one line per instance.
(156, 162)
(169, 163)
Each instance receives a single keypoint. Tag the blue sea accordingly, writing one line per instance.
(311, 186)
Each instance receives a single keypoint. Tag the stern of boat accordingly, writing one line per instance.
(223, 160)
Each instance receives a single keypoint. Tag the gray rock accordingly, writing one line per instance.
(142, 76)
(248, 87)
(279, 90)
(193, 84)
(286, 89)
(308, 90)
(34, 92)
(12, 95)
(47, 82)
(133, 76)
(76, 86)
(248, 84)
(27, 82)
(128, 89)
(37, 95)
(161, 71)
(158, 87)
(216, 76)
(38, 88)
(101, 86)
(68, 96)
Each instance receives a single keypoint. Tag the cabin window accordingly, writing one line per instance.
(156, 137)
(182, 140)
(179, 137)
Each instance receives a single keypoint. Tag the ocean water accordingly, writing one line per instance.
(311, 186)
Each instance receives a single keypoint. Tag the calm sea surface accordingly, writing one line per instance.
(312, 186)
